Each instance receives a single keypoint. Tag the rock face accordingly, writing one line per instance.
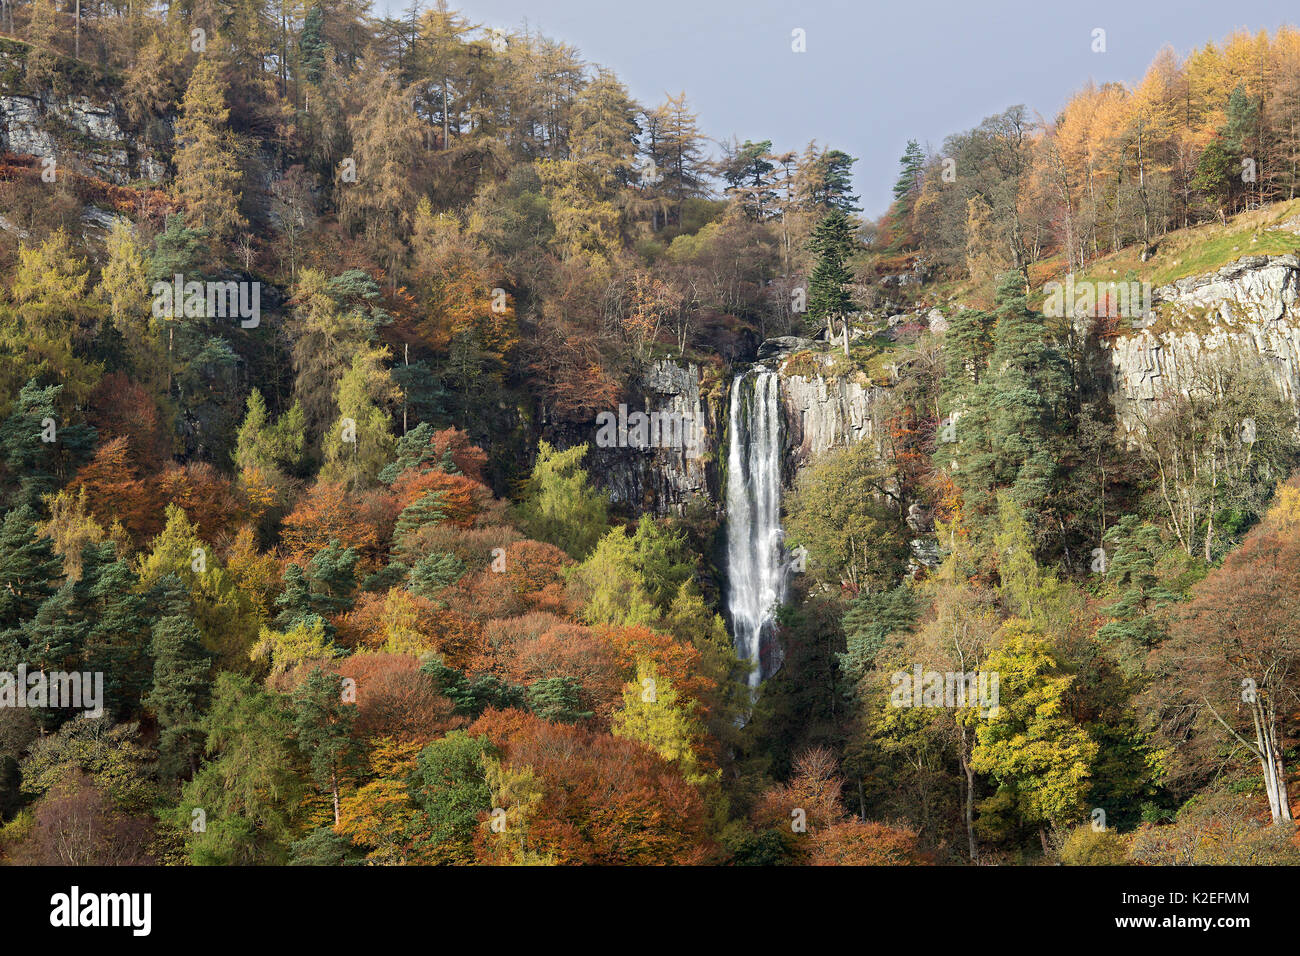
(824, 412)
(819, 412)
(660, 475)
(84, 130)
(783, 345)
(1246, 310)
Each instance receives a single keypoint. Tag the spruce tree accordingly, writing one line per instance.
(180, 692)
(832, 244)
(311, 44)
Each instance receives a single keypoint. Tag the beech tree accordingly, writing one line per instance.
(1231, 658)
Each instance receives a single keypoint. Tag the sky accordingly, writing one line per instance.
(874, 74)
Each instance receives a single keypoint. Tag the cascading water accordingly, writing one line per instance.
(756, 567)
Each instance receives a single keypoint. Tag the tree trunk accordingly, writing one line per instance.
(970, 797)
(1270, 760)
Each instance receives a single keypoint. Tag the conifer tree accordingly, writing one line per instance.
(29, 568)
(181, 684)
(323, 723)
(208, 176)
(559, 505)
(912, 164)
(828, 293)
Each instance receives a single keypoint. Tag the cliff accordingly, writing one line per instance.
(1246, 309)
(655, 472)
(78, 122)
(825, 411)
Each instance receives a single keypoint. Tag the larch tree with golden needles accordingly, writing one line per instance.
(208, 175)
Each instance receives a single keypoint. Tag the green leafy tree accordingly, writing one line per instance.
(653, 714)
(1040, 758)
(249, 790)
(450, 791)
(29, 568)
(839, 513)
(181, 686)
(559, 506)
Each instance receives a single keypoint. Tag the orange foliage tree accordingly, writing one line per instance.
(604, 800)
(323, 515)
(395, 700)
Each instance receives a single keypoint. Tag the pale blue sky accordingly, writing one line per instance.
(875, 74)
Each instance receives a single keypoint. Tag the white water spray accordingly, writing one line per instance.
(756, 567)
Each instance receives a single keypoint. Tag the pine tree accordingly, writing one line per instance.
(29, 568)
(1009, 434)
(423, 397)
(41, 464)
(107, 598)
(747, 170)
(871, 618)
(557, 699)
(825, 181)
(323, 724)
(413, 450)
(912, 164)
(425, 510)
(324, 588)
(1133, 549)
(433, 572)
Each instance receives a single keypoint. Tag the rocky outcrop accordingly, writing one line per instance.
(1246, 311)
(823, 410)
(77, 129)
(675, 461)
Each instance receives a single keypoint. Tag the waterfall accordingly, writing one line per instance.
(756, 569)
